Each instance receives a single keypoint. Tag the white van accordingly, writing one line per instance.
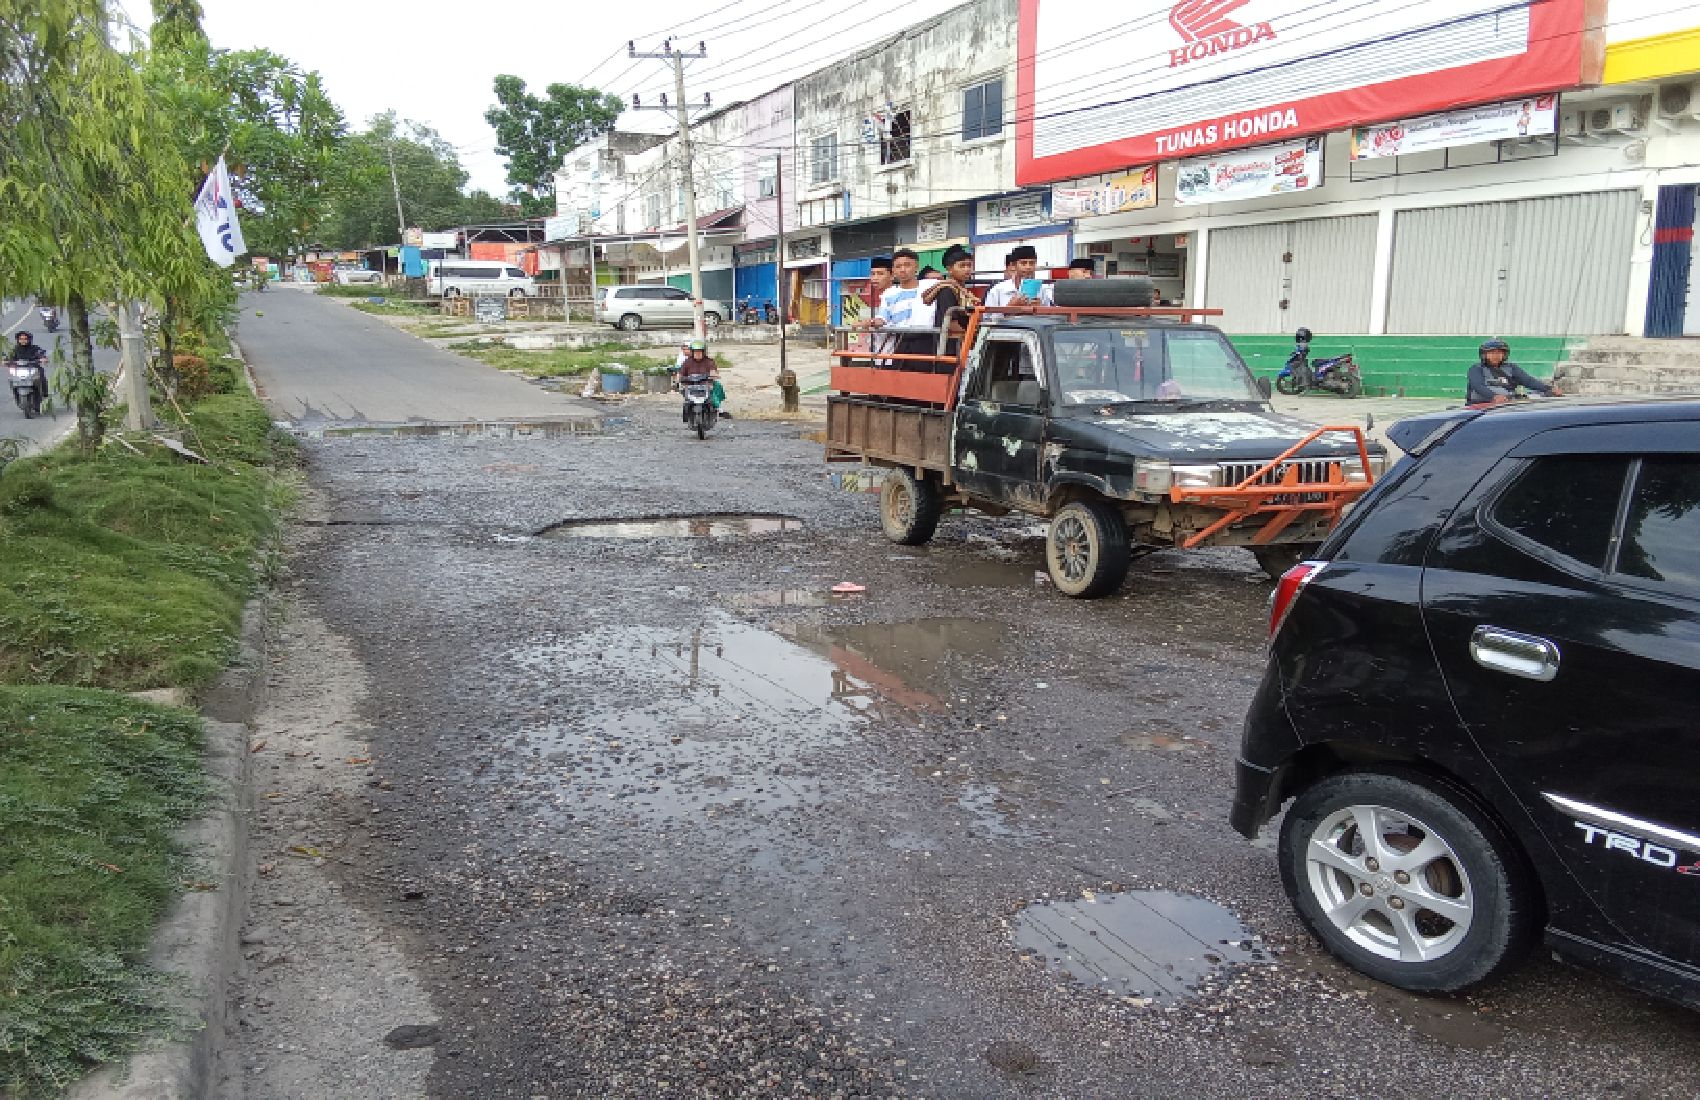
(453, 278)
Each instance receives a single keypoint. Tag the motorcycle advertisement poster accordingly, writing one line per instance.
(1533, 117)
(1250, 173)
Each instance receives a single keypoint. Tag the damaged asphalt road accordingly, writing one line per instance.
(639, 814)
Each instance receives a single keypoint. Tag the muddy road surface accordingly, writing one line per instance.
(557, 802)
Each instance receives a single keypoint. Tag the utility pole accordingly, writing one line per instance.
(668, 53)
(395, 185)
(779, 251)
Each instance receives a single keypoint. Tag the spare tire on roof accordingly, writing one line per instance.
(1102, 292)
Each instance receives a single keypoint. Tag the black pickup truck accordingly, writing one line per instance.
(1127, 428)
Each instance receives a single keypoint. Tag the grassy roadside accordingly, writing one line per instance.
(93, 786)
(559, 362)
(397, 307)
(121, 570)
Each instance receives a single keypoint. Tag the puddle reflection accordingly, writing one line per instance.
(674, 527)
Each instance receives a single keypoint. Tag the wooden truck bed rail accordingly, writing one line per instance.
(905, 435)
(1282, 499)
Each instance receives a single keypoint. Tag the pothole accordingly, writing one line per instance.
(712, 526)
(1152, 946)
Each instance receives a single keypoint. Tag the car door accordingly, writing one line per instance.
(1563, 606)
(999, 431)
(678, 304)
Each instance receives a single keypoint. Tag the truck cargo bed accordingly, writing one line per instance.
(889, 433)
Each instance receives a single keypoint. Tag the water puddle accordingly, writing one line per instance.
(1152, 946)
(991, 813)
(486, 429)
(784, 597)
(721, 718)
(894, 659)
(674, 527)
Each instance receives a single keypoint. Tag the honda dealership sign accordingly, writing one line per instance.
(1102, 86)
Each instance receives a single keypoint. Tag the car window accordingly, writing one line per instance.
(513, 273)
(675, 294)
(1007, 374)
(1565, 504)
(651, 293)
(1661, 533)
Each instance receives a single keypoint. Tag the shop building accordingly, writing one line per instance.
(1464, 176)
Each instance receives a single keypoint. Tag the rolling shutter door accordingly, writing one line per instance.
(1544, 267)
(1327, 285)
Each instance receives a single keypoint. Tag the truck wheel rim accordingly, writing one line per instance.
(1074, 547)
(1389, 883)
(899, 506)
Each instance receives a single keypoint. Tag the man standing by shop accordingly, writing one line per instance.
(1008, 293)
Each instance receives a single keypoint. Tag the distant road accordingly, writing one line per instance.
(47, 428)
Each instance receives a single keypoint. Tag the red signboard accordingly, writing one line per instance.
(1102, 86)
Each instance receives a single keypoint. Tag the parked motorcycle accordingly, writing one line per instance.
(50, 318)
(748, 314)
(769, 313)
(1337, 374)
(700, 412)
(29, 385)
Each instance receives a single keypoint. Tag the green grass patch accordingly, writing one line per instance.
(93, 788)
(397, 307)
(352, 290)
(556, 362)
(129, 571)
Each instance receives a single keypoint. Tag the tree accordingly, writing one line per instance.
(91, 201)
(427, 173)
(176, 25)
(536, 134)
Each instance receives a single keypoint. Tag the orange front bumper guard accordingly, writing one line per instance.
(1249, 498)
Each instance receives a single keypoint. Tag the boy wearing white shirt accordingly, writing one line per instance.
(1008, 293)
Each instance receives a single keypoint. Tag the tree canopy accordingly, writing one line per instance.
(428, 174)
(535, 133)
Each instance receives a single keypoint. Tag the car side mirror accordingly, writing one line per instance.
(1265, 388)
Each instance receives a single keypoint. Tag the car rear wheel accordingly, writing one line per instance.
(631, 322)
(711, 319)
(452, 292)
(1086, 550)
(516, 293)
(910, 507)
(1403, 878)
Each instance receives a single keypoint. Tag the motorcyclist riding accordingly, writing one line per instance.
(699, 366)
(1494, 379)
(25, 349)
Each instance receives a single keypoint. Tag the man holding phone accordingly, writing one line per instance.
(1022, 289)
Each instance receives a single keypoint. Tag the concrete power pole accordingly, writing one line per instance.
(682, 109)
(138, 411)
(395, 185)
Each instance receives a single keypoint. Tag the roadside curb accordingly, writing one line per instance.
(197, 941)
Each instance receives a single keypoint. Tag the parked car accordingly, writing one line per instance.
(349, 276)
(632, 307)
(1483, 701)
(456, 278)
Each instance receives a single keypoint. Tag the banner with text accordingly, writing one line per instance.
(1533, 117)
(1250, 173)
(1135, 191)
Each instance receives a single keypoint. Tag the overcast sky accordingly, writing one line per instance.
(434, 61)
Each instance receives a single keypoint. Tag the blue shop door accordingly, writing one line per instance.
(759, 284)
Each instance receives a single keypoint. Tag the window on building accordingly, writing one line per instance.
(767, 186)
(823, 159)
(652, 209)
(982, 110)
(894, 143)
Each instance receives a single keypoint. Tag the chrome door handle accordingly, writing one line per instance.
(1515, 654)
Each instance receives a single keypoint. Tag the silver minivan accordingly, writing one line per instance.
(452, 278)
(632, 307)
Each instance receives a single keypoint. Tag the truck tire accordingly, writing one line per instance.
(1086, 550)
(910, 507)
(1276, 560)
(1110, 293)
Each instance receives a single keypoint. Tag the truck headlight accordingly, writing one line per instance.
(1152, 475)
(1353, 469)
(1195, 477)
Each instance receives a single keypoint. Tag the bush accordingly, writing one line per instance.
(194, 381)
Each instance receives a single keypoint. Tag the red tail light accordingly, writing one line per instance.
(1287, 589)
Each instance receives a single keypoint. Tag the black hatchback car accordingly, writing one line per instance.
(1483, 700)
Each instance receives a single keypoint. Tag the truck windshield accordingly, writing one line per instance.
(1112, 366)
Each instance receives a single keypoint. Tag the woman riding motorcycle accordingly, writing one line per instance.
(699, 366)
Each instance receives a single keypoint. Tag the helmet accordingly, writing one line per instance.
(1302, 336)
(698, 345)
(1495, 345)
